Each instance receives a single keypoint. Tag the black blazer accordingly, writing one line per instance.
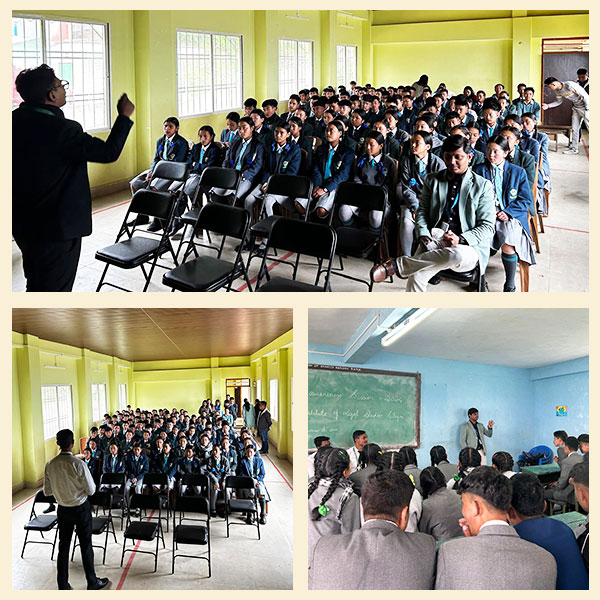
(51, 189)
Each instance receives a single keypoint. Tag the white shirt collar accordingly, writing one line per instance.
(494, 522)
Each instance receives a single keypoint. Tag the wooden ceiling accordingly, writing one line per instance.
(138, 334)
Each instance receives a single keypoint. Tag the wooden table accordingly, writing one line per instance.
(572, 519)
(552, 131)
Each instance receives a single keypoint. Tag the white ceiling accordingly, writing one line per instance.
(508, 337)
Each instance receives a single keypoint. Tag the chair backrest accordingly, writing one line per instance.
(156, 479)
(293, 186)
(222, 151)
(41, 498)
(365, 197)
(197, 479)
(174, 171)
(239, 483)
(102, 499)
(313, 239)
(192, 504)
(226, 220)
(220, 177)
(151, 501)
(152, 203)
(303, 160)
(112, 478)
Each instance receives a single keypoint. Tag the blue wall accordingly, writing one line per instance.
(522, 402)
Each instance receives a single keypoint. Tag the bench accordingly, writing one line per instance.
(552, 132)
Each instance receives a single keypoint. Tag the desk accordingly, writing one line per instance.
(545, 473)
(572, 519)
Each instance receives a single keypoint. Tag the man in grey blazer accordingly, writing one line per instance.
(559, 442)
(380, 555)
(472, 434)
(562, 489)
(492, 556)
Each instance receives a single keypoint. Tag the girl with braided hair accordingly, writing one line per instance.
(439, 459)
(332, 505)
(409, 457)
(504, 462)
(370, 456)
(468, 459)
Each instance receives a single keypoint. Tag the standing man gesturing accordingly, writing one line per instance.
(472, 434)
(68, 479)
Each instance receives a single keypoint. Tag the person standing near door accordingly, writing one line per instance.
(263, 424)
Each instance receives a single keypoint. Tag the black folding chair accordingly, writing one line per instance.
(245, 485)
(220, 177)
(103, 524)
(207, 273)
(139, 250)
(196, 480)
(108, 481)
(146, 531)
(160, 481)
(193, 535)
(42, 523)
(359, 242)
(312, 239)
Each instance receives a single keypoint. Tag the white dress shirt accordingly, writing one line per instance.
(68, 479)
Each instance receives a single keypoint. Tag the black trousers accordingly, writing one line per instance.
(68, 517)
(50, 265)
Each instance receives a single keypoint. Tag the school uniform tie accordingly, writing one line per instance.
(231, 134)
(238, 165)
(372, 162)
(421, 168)
(498, 186)
(201, 154)
(490, 131)
(279, 155)
(327, 174)
(165, 149)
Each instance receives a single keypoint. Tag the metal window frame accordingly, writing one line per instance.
(55, 386)
(312, 64)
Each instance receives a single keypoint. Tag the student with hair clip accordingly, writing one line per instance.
(439, 459)
(468, 459)
(229, 133)
(512, 196)
(333, 507)
(409, 457)
(504, 462)
(442, 508)
(369, 460)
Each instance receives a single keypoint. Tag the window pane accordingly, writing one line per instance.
(274, 399)
(295, 67)
(26, 48)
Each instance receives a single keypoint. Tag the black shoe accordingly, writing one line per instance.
(67, 588)
(177, 226)
(139, 220)
(263, 519)
(213, 513)
(508, 288)
(250, 519)
(51, 508)
(261, 250)
(156, 225)
(101, 583)
(435, 280)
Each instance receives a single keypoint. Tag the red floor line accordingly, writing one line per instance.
(131, 557)
(585, 148)
(282, 475)
(565, 229)
(95, 212)
(24, 502)
(269, 268)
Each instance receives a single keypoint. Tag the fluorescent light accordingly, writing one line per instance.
(297, 16)
(54, 367)
(350, 15)
(395, 333)
(346, 26)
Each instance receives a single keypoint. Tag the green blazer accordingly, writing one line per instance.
(475, 206)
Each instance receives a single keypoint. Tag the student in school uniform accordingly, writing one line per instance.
(316, 121)
(512, 195)
(92, 464)
(298, 137)
(462, 110)
(261, 131)
(560, 437)
(293, 105)
(230, 132)
(439, 459)
(250, 104)
(528, 104)
(427, 121)
(526, 516)
(370, 458)
(503, 462)
(229, 452)
(468, 459)
(179, 446)
(136, 466)
(217, 468)
(361, 439)
(562, 489)
(488, 123)
(584, 446)
(480, 97)
(442, 508)
(477, 158)
(391, 147)
(269, 107)
(189, 464)
(529, 121)
(526, 143)
(491, 556)
(409, 457)
(381, 554)
(320, 441)
(409, 114)
(166, 463)
(517, 156)
(252, 466)
(113, 460)
(580, 479)
(360, 128)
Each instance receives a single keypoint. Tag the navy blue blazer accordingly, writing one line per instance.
(258, 467)
(381, 175)
(289, 163)
(516, 193)
(137, 469)
(169, 467)
(358, 135)
(177, 150)
(485, 136)
(341, 166)
(531, 146)
(210, 158)
(253, 161)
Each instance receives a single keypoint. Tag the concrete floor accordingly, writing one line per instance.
(238, 562)
(562, 265)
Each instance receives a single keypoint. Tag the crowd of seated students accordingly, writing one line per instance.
(176, 443)
(425, 529)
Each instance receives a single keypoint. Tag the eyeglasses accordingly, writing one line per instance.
(63, 84)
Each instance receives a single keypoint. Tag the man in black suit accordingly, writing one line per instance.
(52, 205)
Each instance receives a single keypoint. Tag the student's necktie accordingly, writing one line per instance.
(165, 149)
(421, 168)
(327, 174)
(372, 162)
(238, 165)
(490, 131)
(279, 154)
(201, 154)
(231, 134)
(498, 185)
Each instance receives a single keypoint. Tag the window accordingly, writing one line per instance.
(295, 67)
(209, 72)
(346, 65)
(98, 401)
(258, 389)
(122, 396)
(274, 399)
(57, 409)
(78, 52)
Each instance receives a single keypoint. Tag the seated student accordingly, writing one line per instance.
(156, 453)
(442, 508)
(530, 130)
(580, 479)
(374, 168)
(477, 158)
(528, 104)
(307, 128)
(229, 452)
(293, 105)
(261, 131)
(136, 466)
(439, 459)
(319, 441)
(462, 110)
(559, 440)
(520, 94)
(304, 99)
(189, 464)
(468, 459)
(316, 121)
(250, 104)
(332, 165)
(298, 137)
(359, 129)
(381, 555)
(488, 124)
(584, 446)
(562, 489)
(451, 236)
(269, 107)
(516, 155)
(179, 446)
(409, 114)
(230, 132)
(512, 196)
(333, 507)
(95, 451)
(246, 154)
(113, 460)
(328, 116)
(391, 147)
(451, 120)
(166, 463)
(370, 459)
(346, 140)
(92, 464)
(360, 439)
(526, 516)
(414, 166)
(478, 104)
(504, 462)
(492, 556)
(526, 143)
(204, 448)
(253, 466)
(504, 102)
(217, 468)
(409, 458)
(345, 108)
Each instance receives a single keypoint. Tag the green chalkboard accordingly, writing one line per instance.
(386, 404)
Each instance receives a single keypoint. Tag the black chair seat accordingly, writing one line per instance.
(353, 241)
(264, 226)
(198, 275)
(130, 253)
(242, 505)
(280, 284)
(141, 530)
(191, 534)
(466, 277)
(191, 216)
(41, 523)
(99, 524)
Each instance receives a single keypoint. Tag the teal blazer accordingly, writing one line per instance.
(476, 210)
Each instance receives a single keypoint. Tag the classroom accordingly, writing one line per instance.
(480, 440)
(193, 76)
(136, 386)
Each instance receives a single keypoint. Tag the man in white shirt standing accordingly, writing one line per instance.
(68, 479)
(360, 441)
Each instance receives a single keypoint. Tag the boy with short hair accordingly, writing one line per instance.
(269, 107)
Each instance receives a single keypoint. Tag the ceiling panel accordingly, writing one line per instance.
(139, 334)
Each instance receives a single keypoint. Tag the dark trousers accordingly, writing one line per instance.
(264, 436)
(50, 265)
(68, 517)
